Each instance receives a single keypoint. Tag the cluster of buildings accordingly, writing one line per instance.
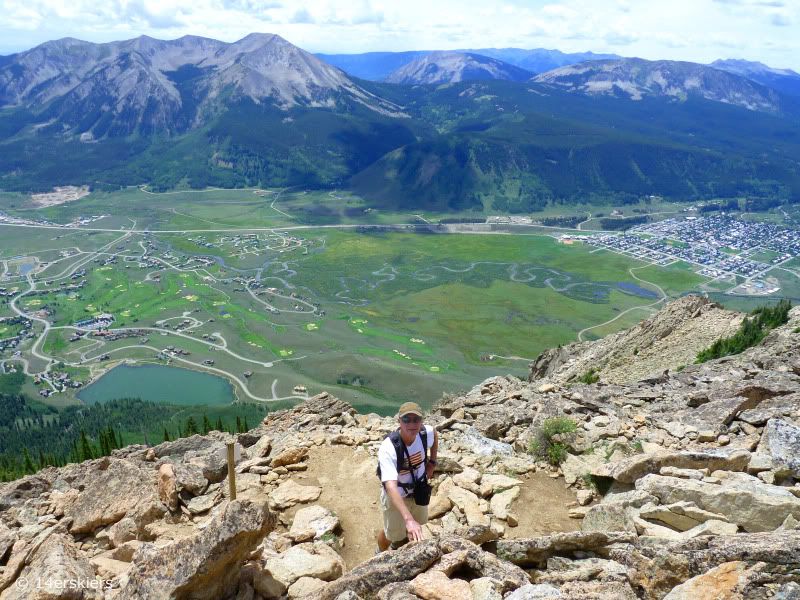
(101, 321)
(720, 245)
(23, 332)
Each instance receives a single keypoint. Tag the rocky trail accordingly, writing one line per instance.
(678, 483)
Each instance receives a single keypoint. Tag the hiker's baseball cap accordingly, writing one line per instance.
(409, 408)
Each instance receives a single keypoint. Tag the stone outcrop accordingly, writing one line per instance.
(683, 481)
(204, 565)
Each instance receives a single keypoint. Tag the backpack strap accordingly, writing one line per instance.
(402, 452)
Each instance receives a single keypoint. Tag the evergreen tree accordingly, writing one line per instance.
(238, 424)
(206, 424)
(219, 426)
(166, 435)
(246, 426)
(191, 427)
(42, 460)
(27, 462)
(84, 449)
(112, 439)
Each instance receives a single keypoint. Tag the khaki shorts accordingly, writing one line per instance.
(394, 527)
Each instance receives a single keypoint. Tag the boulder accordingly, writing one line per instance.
(108, 568)
(167, 492)
(781, 441)
(213, 460)
(312, 523)
(305, 587)
(537, 591)
(681, 516)
(720, 582)
(610, 517)
(115, 489)
(189, 478)
(483, 446)
(51, 567)
(439, 505)
(469, 504)
(303, 561)
(388, 567)
(500, 504)
(262, 447)
(435, 585)
(741, 498)
(485, 588)
(713, 527)
(201, 504)
(7, 539)
(630, 469)
(491, 483)
(205, 565)
(290, 493)
(536, 551)
(290, 456)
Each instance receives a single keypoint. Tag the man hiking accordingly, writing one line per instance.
(405, 469)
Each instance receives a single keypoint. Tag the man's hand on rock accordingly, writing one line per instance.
(414, 530)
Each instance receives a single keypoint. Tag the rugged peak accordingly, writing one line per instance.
(667, 340)
(132, 80)
(451, 66)
(637, 78)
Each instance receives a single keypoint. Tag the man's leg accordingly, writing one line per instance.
(383, 542)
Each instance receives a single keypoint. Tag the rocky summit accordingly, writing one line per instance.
(679, 480)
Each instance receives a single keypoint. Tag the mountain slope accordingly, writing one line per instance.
(452, 67)
(783, 80)
(636, 78)
(540, 60)
(153, 86)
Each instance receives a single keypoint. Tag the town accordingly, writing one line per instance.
(718, 245)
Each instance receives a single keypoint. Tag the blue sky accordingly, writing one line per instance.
(695, 30)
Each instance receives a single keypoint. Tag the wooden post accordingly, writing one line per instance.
(231, 471)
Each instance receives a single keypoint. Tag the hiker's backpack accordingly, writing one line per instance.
(399, 450)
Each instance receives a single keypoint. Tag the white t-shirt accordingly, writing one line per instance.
(387, 459)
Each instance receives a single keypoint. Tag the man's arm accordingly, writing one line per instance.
(412, 527)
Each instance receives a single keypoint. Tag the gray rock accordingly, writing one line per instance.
(781, 440)
(630, 469)
(114, 488)
(743, 499)
(609, 517)
(536, 551)
(536, 591)
(204, 566)
(189, 478)
(483, 446)
(56, 561)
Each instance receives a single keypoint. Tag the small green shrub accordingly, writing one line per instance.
(796, 330)
(545, 447)
(589, 377)
(752, 330)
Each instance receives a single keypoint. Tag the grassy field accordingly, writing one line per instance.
(373, 317)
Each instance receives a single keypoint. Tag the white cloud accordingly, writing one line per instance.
(698, 30)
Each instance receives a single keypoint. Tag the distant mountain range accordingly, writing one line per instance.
(378, 66)
(261, 111)
(451, 67)
(636, 78)
(147, 85)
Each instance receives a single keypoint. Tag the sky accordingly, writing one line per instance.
(694, 30)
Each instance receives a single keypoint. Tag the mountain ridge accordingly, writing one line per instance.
(453, 67)
(672, 481)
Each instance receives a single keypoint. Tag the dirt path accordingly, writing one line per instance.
(351, 489)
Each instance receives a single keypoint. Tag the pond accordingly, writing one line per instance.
(158, 383)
